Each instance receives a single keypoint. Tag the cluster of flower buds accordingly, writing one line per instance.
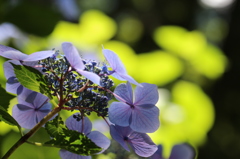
(78, 91)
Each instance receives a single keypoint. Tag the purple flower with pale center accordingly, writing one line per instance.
(141, 143)
(76, 62)
(181, 151)
(32, 107)
(140, 114)
(14, 54)
(118, 69)
(84, 126)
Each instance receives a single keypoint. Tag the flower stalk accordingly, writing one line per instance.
(24, 138)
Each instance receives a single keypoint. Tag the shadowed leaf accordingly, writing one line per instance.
(69, 140)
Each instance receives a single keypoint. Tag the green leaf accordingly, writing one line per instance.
(7, 118)
(55, 127)
(31, 79)
(69, 140)
(5, 98)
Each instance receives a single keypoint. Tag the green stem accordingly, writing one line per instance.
(39, 144)
(31, 132)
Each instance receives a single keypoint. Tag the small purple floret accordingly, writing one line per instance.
(118, 69)
(140, 114)
(141, 143)
(32, 108)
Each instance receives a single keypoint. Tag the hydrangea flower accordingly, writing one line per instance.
(32, 107)
(14, 54)
(140, 114)
(76, 62)
(84, 126)
(141, 143)
(118, 69)
(181, 151)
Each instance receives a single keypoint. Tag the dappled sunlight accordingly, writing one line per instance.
(158, 67)
(187, 114)
(203, 58)
(94, 28)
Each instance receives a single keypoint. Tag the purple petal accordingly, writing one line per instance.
(12, 82)
(20, 89)
(40, 100)
(90, 75)
(182, 151)
(15, 88)
(39, 55)
(117, 66)
(46, 108)
(12, 85)
(11, 53)
(114, 61)
(4, 48)
(24, 107)
(118, 76)
(119, 133)
(37, 102)
(148, 94)
(23, 98)
(144, 119)
(8, 68)
(26, 116)
(100, 140)
(120, 113)
(158, 153)
(72, 56)
(125, 92)
(31, 97)
(83, 126)
(126, 77)
(69, 155)
(142, 144)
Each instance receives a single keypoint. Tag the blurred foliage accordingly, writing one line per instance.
(187, 114)
(94, 28)
(180, 61)
(192, 47)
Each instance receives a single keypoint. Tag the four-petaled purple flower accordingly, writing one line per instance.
(141, 143)
(84, 126)
(118, 69)
(140, 114)
(76, 62)
(180, 151)
(32, 107)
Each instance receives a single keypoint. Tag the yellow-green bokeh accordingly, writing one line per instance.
(186, 115)
(191, 46)
(94, 28)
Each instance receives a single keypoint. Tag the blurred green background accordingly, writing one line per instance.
(188, 48)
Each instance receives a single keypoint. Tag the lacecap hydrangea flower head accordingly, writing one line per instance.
(86, 86)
